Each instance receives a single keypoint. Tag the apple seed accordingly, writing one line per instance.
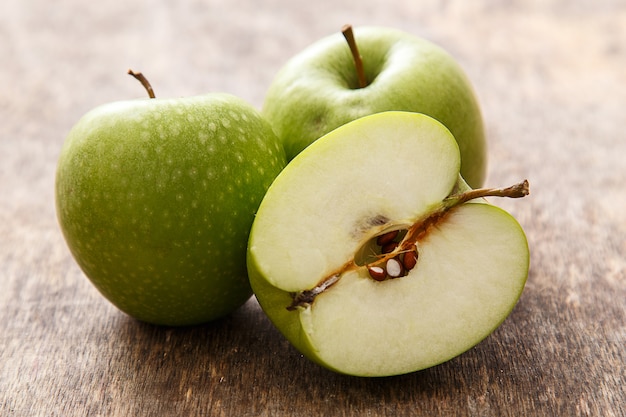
(388, 237)
(389, 247)
(409, 260)
(377, 273)
(394, 268)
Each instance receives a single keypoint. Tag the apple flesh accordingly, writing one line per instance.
(156, 198)
(313, 252)
(318, 90)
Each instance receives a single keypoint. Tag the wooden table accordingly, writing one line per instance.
(551, 77)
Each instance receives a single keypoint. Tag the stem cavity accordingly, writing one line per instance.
(348, 33)
(144, 81)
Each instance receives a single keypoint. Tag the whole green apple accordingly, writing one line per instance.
(156, 198)
(372, 255)
(318, 90)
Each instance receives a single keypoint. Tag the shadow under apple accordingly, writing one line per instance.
(241, 362)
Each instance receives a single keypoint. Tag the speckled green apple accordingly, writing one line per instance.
(318, 91)
(372, 255)
(156, 197)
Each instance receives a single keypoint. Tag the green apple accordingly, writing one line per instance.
(373, 257)
(318, 90)
(156, 198)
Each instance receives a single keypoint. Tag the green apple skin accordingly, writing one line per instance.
(156, 198)
(317, 91)
(326, 204)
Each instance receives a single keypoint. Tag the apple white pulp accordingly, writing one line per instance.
(312, 256)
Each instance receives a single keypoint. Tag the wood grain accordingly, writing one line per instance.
(550, 77)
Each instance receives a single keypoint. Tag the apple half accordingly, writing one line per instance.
(373, 257)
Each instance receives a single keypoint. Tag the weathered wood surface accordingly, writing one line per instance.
(551, 77)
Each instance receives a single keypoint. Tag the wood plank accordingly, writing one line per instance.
(550, 77)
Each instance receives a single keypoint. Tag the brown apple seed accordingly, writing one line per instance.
(388, 247)
(383, 239)
(377, 273)
(410, 259)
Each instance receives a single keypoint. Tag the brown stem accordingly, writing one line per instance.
(144, 81)
(518, 190)
(348, 33)
(413, 235)
(420, 227)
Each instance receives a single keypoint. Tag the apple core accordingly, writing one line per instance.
(387, 257)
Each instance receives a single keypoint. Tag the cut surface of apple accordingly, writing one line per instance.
(313, 256)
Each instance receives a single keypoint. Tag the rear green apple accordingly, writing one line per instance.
(326, 85)
(372, 255)
(156, 198)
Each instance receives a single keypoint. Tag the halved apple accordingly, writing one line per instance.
(373, 257)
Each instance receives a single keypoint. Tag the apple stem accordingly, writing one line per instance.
(420, 227)
(518, 190)
(413, 235)
(348, 33)
(144, 81)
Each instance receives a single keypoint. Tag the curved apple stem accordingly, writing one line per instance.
(144, 81)
(518, 190)
(348, 33)
(420, 227)
(413, 235)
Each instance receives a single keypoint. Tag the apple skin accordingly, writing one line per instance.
(156, 198)
(317, 91)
